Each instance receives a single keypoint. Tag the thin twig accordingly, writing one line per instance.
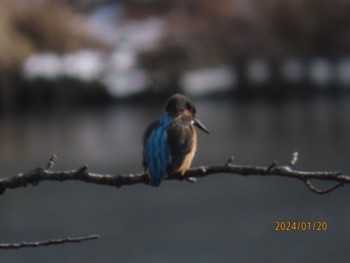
(321, 191)
(230, 160)
(51, 162)
(294, 159)
(271, 166)
(48, 242)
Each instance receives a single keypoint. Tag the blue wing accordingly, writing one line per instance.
(156, 155)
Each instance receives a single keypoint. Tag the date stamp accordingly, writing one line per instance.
(301, 226)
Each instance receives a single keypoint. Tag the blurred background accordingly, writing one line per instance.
(83, 79)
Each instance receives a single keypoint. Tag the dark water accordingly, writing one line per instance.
(223, 218)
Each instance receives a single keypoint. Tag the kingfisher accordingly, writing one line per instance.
(170, 143)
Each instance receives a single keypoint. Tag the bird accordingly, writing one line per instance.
(170, 143)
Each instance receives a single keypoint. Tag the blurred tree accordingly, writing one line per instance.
(32, 26)
(314, 27)
(212, 31)
(52, 25)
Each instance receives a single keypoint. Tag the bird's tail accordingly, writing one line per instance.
(155, 182)
(155, 179)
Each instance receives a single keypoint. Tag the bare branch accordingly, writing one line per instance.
(48, 242)
(38, 175)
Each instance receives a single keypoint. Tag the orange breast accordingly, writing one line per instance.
(189, 157)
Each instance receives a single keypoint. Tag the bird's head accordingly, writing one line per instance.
(180, 105)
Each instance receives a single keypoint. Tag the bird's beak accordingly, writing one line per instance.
(200, 126)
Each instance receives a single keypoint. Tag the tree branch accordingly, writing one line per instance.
(34, 177)
(48, 242)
